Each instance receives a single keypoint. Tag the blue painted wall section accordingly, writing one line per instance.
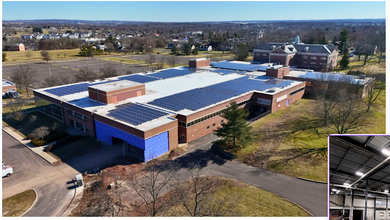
(153, 146)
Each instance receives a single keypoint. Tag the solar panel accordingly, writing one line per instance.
(75, 88)
(169, 73)
(245, 84)
(135, 114)
(139, 78)
(226, 72)
(239, 66)
(193, 99)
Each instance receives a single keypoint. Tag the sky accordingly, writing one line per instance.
(192, 11)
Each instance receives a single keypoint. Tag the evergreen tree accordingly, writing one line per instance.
(4, 57)
(241, 52)
(195, 51)
(344, 62)
(344, 38)
(235, 130)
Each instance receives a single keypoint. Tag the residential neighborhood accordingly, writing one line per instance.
(185, 118)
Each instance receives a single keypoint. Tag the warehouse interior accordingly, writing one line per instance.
(359, 177)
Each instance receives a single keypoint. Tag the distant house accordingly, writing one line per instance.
(15, 47)
(205, 48)
(309, 56)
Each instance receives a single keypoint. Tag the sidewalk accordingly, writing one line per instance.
(37, 150)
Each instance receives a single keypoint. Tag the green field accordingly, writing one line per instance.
(20, 56)
(16, 205)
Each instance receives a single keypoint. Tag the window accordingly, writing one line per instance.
(264, 55)
(208, 127)
(77, 115)
(312, 62)
(313, 57)
(323, 58)
(296, 91)
(304, 57)
(304, 62)
(214, 125)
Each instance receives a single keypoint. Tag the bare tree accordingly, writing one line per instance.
(15, 107)
(109, 70)
(28, 54)
(32, 119)
(110, 48)
(347, 117)
(65, 79)
(173, 60)
(374, 89)
(197, 195)
(41, 132)
(85, 74)
(161, 63)
(24, 76)
(51, 81)
(151, 59)
(150, 186)
(45, 56)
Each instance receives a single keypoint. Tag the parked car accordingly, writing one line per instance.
(7, 170)
(11, 94)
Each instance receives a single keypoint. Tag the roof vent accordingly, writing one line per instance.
(273, 47)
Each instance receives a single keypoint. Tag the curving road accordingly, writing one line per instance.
(32, 172)
(310, 195)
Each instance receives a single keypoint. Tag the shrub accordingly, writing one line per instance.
(37, 142)
(30, 136)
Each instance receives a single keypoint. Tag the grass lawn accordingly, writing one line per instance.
(76, 148)
(272, 149)
(123, 60)
(252, 202)
(20, 56)
(25, 127)
(371, 65)
(16, 205)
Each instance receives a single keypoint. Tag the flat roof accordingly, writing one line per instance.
(6, 83)
(112, 86)
(301, 73)
(211, 85)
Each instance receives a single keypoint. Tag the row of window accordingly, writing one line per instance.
(78, 126)
(296, 91)
(49, 108)
(313, 57)
(210, 115)
(313, 63)
(77, 115)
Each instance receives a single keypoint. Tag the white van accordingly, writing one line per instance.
(7, 170)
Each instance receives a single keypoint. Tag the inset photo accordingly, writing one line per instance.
(359, 177)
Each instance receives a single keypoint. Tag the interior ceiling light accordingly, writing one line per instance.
(386, 152)
(346, 184)
(359, 173)
(334, 190)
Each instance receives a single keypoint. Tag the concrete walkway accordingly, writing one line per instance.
(37, 150)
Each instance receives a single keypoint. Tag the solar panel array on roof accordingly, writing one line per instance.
(139, 78)
(135, 114)
(169, 73)
(245, 84)
(328, 77)
(193, 99)
(239, 66)
(76, 88)
(226, 72)
(199, 98)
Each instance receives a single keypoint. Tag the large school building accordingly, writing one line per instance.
(151, 113)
